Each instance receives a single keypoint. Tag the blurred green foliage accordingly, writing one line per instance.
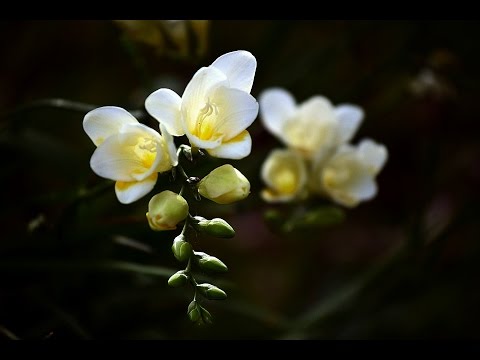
(75, 263)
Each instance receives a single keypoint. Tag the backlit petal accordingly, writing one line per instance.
(236, 148)
(128, 192)
(165, 105)
(276, 106)
(239, 68)
(105, 121)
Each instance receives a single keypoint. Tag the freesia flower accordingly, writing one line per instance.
(348, 177)
(128, 152)
(285, 174)
(315, 127)
(215, 109)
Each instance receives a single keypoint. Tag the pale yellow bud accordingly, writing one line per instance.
(166, 210)
(224, 185)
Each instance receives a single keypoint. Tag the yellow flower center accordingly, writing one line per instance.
(146, 151)
(286, 181)
(204, 127)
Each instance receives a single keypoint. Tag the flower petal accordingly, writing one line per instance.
(128, 192)
(237, 111)
(239, 68)
(197, 93)
(105, 121)
(170, 144)
(236, 148)
(365, 188)
(164, 105)
(276, 106)
(116, 159)
(349, 119)
(374, 155)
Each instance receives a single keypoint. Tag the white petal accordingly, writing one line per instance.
(237, 148)
(239, 67)
(317, 108)
(237, 111)
(349, 117)
(169, 142)
(115, 159)
(276, 106)
(128, 192)
(105, 121)
(197, 93)
(365, 189)
(164, 105)
(374, 155)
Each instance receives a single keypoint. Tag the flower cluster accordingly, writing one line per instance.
(213, 112)
(318, 158)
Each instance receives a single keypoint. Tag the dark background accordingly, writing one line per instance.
(404, 265)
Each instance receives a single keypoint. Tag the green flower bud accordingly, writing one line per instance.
(193, 311)
(198, 314)
(215, 227)
(178, 279)
(224, 185)
(166, 210)
(211, 292)
(181, 249)
(205, 314)
(208, 262)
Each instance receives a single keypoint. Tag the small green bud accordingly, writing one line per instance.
(181, 248)
(208, 262)
(205, 314)
(178, 279)
(166, 210)
(198, 314)
(224, 185)
(211, 292)
(193, 311)
(215, 227)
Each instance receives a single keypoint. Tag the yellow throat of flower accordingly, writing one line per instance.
(206, 121)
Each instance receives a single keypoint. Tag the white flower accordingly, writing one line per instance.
(215, 108)
(313, 128)
(128, 152)
(285, 174)
(348, 177)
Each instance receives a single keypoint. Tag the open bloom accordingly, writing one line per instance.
(215, 108)
(348, 177)
(285, 174)
(314, 127)
(128, 152)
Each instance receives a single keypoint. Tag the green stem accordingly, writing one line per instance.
(8, 333)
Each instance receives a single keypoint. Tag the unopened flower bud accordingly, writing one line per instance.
(208, 262)
(211, 292)
(181, 248)
(215, 227)
(198, 314)
(178, 279)
(224, 185)
(166, 210)
(193, 311)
